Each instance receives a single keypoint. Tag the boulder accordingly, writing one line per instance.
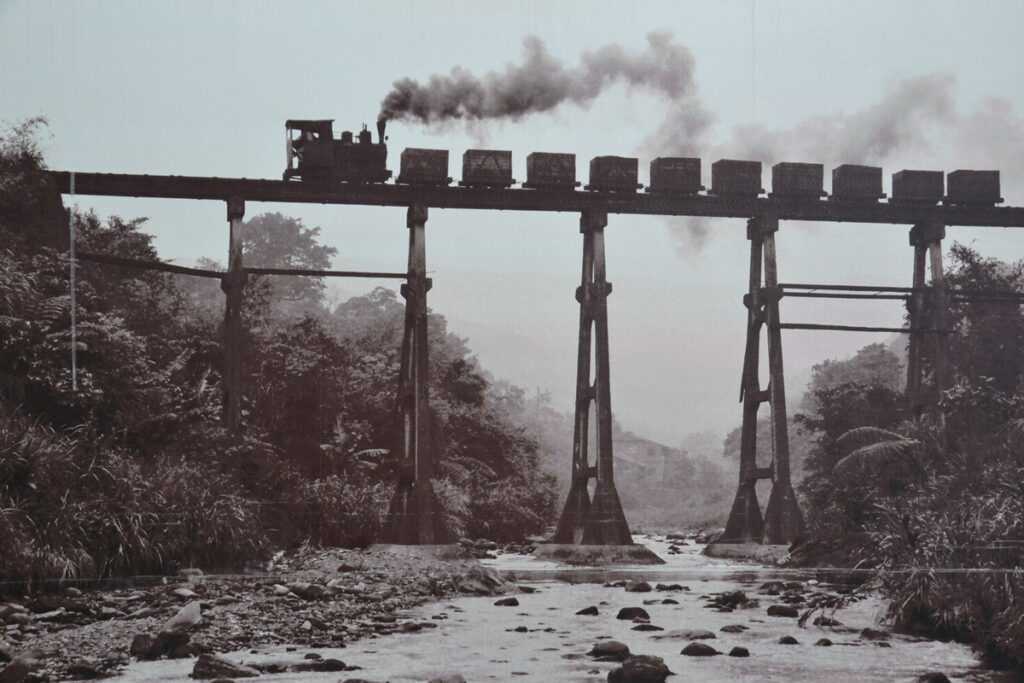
(588, 611)
(188, 616)
(824, 642)
(739, 652)
(788, 640)
(308, 591)
(321, 665)
(212, 666)
(610, 651)
(640, 669)
(933, 677)
(18, 670)
(647, 627)
(783, 611)
(638, 587)
(686, 634)
(86, 668)
(874, 634)
(733, 628)
(507, 602)
(699, 650)
(633, 613)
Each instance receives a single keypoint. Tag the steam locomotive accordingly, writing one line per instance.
(314, 156)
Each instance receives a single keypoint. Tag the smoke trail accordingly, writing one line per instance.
(895, 125)
(541, 83)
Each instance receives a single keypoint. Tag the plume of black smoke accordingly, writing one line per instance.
(898, 123)
(542, 83)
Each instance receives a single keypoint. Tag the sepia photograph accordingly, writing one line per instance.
(458, 341)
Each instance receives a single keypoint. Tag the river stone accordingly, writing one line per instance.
(826, 621)
(733, 628)
(699, 650)
(17, 670)
(507, 602)
(686, 634)
(874, 634)
(647, 627)
(783, 611)
(142, 645)
(187, 617)
(320, 665)
(638, 587)
(588, 611)
(640, 669)
(824, 642)
(670, 587)
(86, 667)
(610, 651)
(739, 652)
(669, 601)
(212, 666)
(788, 640)
(933, 677)
(633, 613)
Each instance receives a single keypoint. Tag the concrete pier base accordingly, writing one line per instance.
(597, 555)
(754, 552)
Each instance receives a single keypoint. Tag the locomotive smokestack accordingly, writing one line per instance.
(381, 125)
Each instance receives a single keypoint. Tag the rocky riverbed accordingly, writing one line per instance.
(376, 616)
(312, 599)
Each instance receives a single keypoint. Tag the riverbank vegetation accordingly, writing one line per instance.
(131, 471)
(932, 500)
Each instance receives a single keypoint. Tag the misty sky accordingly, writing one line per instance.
(204, 88)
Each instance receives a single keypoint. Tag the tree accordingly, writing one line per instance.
(271, 240)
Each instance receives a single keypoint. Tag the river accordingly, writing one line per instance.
(478, 639)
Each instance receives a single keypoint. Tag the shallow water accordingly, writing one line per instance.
(478, 640)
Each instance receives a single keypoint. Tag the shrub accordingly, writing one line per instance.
(339, 510)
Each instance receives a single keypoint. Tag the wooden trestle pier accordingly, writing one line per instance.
(414, 516)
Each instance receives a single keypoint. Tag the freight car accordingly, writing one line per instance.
(732, 178)
(675, 176)
(917, 187)
(972, 188)
(613, 174)
(424, 167)
(547, 171)
(854, 183)
(486, 168)
(314, 155)
(798, 180)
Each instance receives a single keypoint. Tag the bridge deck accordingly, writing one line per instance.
(198, 187)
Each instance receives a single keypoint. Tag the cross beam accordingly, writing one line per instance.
(199, 187)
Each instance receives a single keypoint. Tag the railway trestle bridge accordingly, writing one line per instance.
(414, 517)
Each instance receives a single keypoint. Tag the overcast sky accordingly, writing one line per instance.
(204, 88)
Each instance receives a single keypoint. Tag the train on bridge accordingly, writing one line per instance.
(314, 156)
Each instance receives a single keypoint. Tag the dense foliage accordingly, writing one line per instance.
(132, 471)
(934, 502)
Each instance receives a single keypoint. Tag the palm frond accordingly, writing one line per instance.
(859, 437)
(878, 455)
